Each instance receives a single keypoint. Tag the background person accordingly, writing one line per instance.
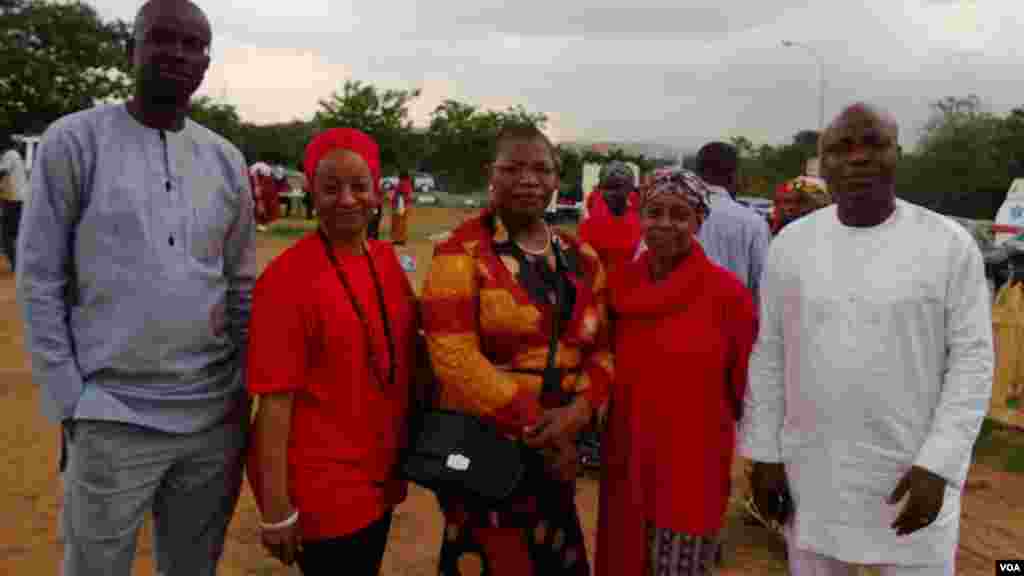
(734, 236)
(796, 198)
(13, 189)
(401, 203)
(612, 225)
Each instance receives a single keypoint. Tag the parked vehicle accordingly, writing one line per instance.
(1010, 214)
(423, 182)
(564, 207)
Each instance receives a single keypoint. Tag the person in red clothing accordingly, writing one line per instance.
(281, 188)
(401, 201)
(260, 181)
(612, 225)
(497, 289)
(332, 412)
(797, 198)
(671, 432)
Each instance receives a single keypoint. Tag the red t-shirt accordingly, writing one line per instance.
(346, 432)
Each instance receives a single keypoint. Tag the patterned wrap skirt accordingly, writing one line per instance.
(535, 535)
(678, 554)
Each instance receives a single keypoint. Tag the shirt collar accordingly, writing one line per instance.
(718, 192)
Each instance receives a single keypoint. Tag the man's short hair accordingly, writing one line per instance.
(717, 159)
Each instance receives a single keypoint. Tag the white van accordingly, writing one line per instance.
(1009, 221)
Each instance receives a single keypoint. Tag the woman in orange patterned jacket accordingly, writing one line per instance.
(489, 308)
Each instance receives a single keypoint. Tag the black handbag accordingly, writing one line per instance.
(451, 453)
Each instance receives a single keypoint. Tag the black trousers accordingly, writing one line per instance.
(358, 554)
(12, 216)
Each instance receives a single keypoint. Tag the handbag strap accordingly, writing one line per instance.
(556, 315)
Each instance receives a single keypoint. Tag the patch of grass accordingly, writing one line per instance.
(1000, 447)
(1015, 460)
(290, 228)
(987, 428)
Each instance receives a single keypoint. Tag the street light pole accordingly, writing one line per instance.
(821, 80)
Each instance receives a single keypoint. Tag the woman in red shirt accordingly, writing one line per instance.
(332, 411)
(683, 332)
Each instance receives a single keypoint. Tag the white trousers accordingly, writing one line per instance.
(808, 563)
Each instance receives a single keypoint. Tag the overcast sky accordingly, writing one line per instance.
(677, 72)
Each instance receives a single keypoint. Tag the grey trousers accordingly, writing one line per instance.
(117, 472)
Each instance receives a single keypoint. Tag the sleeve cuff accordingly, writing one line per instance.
(759, 445)
(938, 457)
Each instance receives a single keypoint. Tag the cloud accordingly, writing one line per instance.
(272, 84)
(602, 19)
(675, 72)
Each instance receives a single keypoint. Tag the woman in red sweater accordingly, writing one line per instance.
(332, 411)
(683, 332)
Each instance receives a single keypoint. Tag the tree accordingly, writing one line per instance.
(461, 139)
(744, 147)
(959, 167)
(383, 114)
(220, 117)
(55, 59)
(283, 144)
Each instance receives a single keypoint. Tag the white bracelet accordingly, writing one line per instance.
(287, 522)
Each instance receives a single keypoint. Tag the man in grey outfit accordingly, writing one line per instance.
(137, 262)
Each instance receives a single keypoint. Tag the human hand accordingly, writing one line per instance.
(563, 461)
(283, 543)
(559, 426)
(927, 491)
(770, 490)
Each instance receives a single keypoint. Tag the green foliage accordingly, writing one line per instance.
(1000, 446)
(274, 144)
(383, 114)
(965, 159)
(57, 58)
(763, 168)
(220, 117)
(461, 138)
(964, 162)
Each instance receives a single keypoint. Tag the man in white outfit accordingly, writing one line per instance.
(872, 372)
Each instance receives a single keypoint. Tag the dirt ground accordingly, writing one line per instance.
(993, 521)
